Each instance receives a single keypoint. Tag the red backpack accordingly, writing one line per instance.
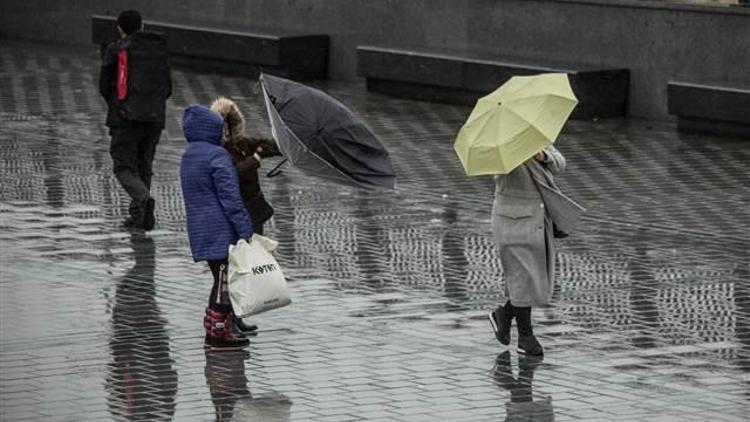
(122, 74)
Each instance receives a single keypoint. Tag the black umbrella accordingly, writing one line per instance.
(322, 137)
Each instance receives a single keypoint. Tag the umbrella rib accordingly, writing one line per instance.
(525, 120)
(485, 123)
(542, 95)
(488, 111)
(312, 153)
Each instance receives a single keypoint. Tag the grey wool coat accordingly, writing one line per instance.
(523, 232)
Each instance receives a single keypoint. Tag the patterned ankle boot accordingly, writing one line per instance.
(220, 333)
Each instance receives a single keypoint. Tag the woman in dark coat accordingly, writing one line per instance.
(246, 154)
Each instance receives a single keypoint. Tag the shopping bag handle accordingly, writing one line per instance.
(276, 170)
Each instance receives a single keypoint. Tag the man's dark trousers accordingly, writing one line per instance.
(132, 150)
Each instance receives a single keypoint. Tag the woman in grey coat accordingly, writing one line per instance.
(523, 231)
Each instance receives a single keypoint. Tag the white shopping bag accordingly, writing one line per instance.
(256, 283)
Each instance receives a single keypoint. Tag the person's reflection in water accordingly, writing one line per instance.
(741, 294)
(53, 178)
(285, 230)
(232, 400)
(523, 406)
(142, 382)
(227, 383)
(642, 298)
(455, 264)
(371, 244)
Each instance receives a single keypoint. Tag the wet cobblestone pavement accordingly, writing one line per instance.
(650, 321)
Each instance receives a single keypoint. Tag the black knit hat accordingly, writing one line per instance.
(129, 21)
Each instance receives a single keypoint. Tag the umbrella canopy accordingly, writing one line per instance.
(510, 125)
(323, 138)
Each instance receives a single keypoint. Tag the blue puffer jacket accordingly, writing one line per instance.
(216, 216)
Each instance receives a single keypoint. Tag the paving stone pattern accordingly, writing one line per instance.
(390, 290)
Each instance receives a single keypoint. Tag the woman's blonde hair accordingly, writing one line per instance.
(234, 121)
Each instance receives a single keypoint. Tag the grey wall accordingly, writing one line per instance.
(656, 42)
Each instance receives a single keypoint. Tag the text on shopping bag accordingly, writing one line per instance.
(265, 268)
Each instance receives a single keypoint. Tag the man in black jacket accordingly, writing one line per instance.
(135, 81)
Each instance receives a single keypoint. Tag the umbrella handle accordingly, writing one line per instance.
(276, 171)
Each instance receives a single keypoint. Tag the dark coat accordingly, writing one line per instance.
(149, 82)
(216, 217)
(247, 170)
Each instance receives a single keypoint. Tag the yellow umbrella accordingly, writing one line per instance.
(510, 125)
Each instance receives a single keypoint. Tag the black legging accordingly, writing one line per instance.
(222, 304)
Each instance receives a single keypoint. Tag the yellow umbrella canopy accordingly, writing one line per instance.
(510, 125)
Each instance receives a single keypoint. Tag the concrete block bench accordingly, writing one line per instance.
(721, 109)
(451, 77)
(233, 50)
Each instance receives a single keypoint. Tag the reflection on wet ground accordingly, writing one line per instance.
(227, 384)
(650, 319)
(141, 381)
(523, 405)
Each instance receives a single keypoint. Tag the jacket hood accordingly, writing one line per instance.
(200, 124)
(235, 121)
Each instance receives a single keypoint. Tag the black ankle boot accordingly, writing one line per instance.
(246, 329)
(500, 319)
(527, 342)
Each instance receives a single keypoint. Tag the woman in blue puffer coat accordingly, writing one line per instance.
(216, 216)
